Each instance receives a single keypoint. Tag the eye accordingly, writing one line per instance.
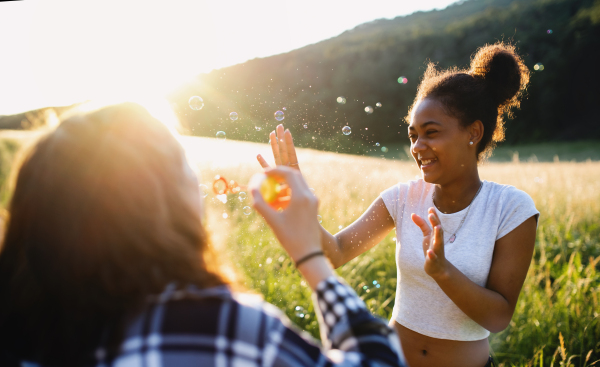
(429, 132)
(412, 136)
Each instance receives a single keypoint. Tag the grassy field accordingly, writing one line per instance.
(556, 321)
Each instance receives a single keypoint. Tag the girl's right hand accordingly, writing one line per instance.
(284, 151)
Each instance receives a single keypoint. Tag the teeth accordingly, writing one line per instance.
(427, 161)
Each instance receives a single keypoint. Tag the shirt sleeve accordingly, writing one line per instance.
(350, 334)
(517, 207)
(391, 199)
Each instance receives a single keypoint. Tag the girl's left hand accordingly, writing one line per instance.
(436, 264)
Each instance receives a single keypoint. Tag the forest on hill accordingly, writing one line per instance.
(366, 64)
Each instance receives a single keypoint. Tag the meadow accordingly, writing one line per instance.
(556, 320)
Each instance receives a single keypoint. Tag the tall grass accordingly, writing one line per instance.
(556, 320)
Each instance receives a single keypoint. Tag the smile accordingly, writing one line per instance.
(427, 162)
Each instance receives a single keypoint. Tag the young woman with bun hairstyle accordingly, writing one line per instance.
(463, 245)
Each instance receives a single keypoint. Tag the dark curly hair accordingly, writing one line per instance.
(491, 87)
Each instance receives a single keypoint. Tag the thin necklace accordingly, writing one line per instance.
(453, 237)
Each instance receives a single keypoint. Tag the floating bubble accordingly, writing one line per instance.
(341, 100)
(203, 190)
(221, 135)
(377, 144)
(300, 312)
(257, 128)
(340, 226)
(247, 210)
(402, 80)
(279, 116)
(378, 104)
(225, 216)
(378, 286)
(242, 196)
(369, 110)
(365, 287)
(285, 109)
(222, 198)
(320, 219)
(233, 116)
(539, 66)
(346, 130)
(384, 149)
(305, 126)
(374, 282)
(196, 103)
(549, 31)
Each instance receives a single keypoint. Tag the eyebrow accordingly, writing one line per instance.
(424, 125)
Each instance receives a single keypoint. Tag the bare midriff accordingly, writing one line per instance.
(421, 350)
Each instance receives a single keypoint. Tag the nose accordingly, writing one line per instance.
(418, 146)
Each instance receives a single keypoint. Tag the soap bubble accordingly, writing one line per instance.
(305, 126)
(196, 103)
(320, 219)
(257, 128)
(203, 190)
(279, 116)
(242, 196)
(402, 80)
(247, 210)
(369, 110)
(377, 144)
(340, 226)
(300, 312)
(539, 66)
(233, 116)
(221, 135)
(549, 31)
(378, 104)
(285, 109)
(374, 282)
(346, 130)
(341, 100)
(378, 286)
(384, 149)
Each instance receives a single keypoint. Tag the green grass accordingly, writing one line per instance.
(559, 301)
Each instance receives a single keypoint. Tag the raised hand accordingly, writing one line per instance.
(436, 264)
(283, 148)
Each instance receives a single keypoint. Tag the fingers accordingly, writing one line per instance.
(433, 218)
(263, 163)
(275, 148)
(421, 223)
(292, 177)
(262, 207)
(438, 240)
(283, 152)
(291, 149)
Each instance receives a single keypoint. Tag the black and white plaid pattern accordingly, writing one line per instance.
(214, 327)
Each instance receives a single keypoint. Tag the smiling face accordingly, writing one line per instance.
(440, 144)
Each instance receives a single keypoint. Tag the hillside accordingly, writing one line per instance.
(364, 64)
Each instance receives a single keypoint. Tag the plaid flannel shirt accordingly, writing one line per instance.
(215, 327)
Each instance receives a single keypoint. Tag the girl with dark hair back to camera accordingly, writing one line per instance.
(463, 245)
(106, 262)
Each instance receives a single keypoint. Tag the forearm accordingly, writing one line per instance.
(484, 306)
(332, 249)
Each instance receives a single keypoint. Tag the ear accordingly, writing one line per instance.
(476, 132)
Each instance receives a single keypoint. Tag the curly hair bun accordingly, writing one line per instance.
(503, 71)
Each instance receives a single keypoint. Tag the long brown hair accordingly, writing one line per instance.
(100, 218)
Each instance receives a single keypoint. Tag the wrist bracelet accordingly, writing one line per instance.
(308, 257)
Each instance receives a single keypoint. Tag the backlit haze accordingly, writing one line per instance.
(61, 52)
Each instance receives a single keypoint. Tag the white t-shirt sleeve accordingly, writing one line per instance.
(393, 198)
(517, 207)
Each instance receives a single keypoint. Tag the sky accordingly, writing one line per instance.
(61, 52)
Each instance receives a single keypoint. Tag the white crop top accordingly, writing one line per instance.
(421, 305)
